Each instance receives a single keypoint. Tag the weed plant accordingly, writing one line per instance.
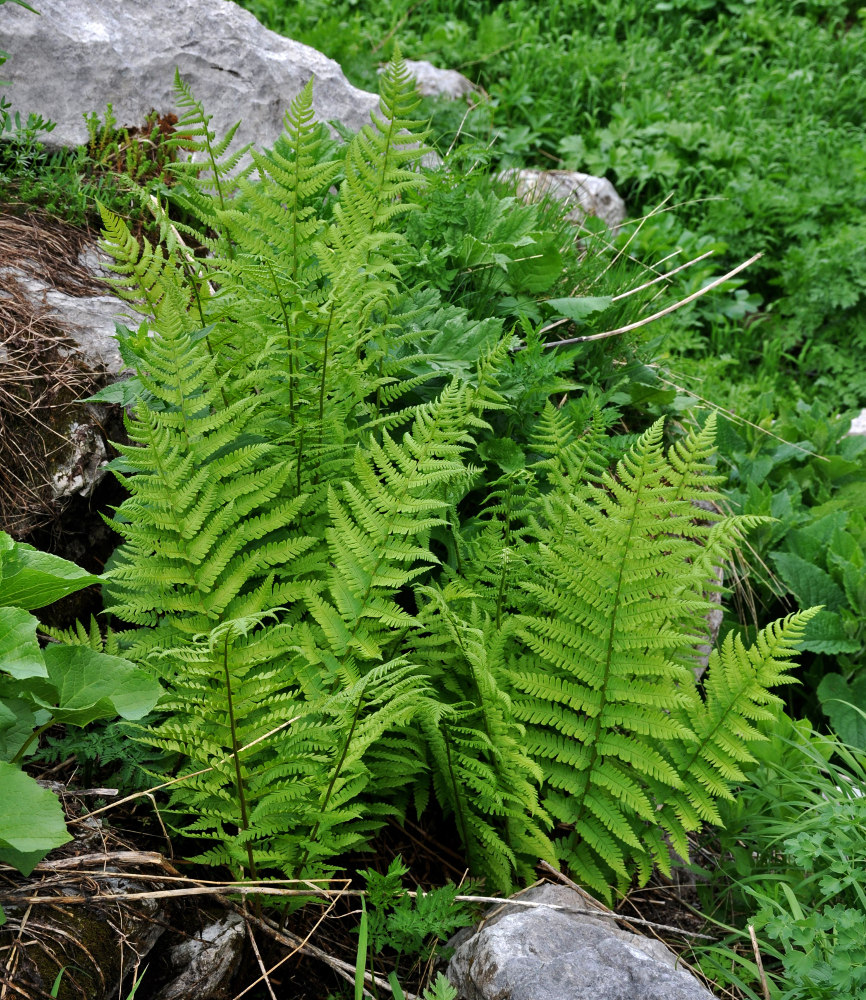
(789, 863)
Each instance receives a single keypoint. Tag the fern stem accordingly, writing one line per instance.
(239, 784)
(325, 369)
(336, 774)
(605, 685)
(458, 805)
(289, 342)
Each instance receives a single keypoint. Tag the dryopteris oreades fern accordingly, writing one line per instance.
(605, 681)
(283, 543)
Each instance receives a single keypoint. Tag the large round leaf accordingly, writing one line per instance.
(32, 579)
(20, 654)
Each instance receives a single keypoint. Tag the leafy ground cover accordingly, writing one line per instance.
(363, 530)
(746, 116)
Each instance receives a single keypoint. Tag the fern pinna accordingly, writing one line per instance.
(344, 630)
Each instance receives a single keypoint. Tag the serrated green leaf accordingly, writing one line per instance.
(578, 309)
(844, 704)
(31, 821)
(124, 393)
(826, 633)
(810, 584)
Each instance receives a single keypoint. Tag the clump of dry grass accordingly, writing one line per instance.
(40, 373)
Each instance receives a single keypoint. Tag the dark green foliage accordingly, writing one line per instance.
(788, 865)
(808, 475)
(705, 104)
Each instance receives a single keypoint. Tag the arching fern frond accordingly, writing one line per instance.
(479, 766)
(605, 681)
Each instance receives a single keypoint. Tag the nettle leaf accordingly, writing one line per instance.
(34, 826)
(844, 704)
(578, 309)
(91, 685)
(20, 654)
(826, 633)
(32, 579)
(810, 584)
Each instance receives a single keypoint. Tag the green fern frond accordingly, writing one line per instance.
(605, 680)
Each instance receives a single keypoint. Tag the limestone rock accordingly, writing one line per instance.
(79, 55)
(587, 194)
(57, 347)
(545, 954)
(858, 424)
(87, 320)
(435, 82)
(207, 960)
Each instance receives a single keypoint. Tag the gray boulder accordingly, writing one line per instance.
(80, 55)
(434, 82)
(588, 195)
(540, 953)
(858, 424)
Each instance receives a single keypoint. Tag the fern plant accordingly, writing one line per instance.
(348, 621)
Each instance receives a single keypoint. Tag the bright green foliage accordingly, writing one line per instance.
(814, 550)
(75, 685)
(32, 823)
(406, 924)
(790, 864)
(609, 700)
(341, 638)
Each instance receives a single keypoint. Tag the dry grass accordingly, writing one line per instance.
(40, 375)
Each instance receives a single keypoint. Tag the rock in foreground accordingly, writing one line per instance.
(544, 954)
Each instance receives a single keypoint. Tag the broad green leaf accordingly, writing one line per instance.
(93, 685)
(20, 654)
(811, 542)
(124, 393)
(31, 820)
(17, 722)
(826, 633)
(578, 309)
(536, 268)
(33, 579)
(810, 584)
(844, 703)
(504, 452)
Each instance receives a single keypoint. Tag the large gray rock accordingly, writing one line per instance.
(80, 55)
(57, 346)
(540, 953)
(434, 82)
(586, 194)
(858, 424)
(88, 321)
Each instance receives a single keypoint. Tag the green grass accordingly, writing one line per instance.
(748, 115)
